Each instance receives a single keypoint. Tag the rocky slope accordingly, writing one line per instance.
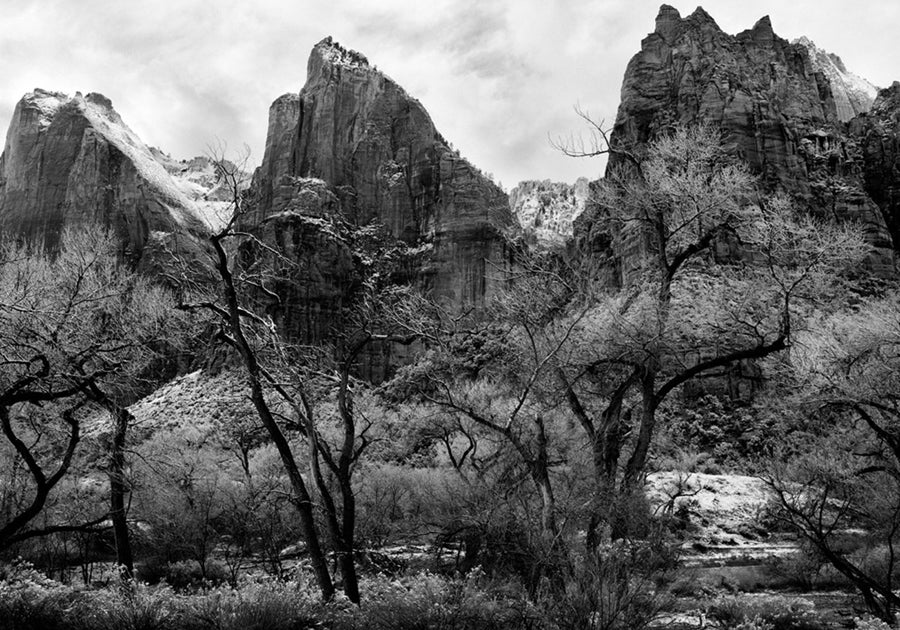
(68, 161)
(377, 150)
(546, 210)
(781, 106)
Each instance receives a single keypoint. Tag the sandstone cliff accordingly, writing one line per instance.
(377, 149)
(546, 210)
(781, 106)
(68, 161)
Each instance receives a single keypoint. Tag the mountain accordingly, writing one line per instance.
(380, 159)
(72, 160)
(788, 109)
(546, 210)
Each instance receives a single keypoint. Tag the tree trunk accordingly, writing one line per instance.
(118, 489)
(638, 459)
(348, 555)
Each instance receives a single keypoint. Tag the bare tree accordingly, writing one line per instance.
(841, 475)
(77, 326)
(283, 374)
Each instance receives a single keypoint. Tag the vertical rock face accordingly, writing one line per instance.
(781, 106)
(377, 148)
(546, 210)
(878, 134)
(70, 161)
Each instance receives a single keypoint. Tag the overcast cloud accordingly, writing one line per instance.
(498, 77)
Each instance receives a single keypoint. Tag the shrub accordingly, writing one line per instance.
(870, 623)
(427, 601)
(269, 605)
(775, 613)
(187, 574)
(30, 601)
(616, 588)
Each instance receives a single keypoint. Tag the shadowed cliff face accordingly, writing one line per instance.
(781, 106)
(878, 134)
(71, 161)
(378, 150)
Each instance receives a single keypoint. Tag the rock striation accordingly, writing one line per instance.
(784, 107)
(546, 210)
(72, 160)
(379, 153)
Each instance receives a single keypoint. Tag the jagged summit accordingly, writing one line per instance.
(337, 54)
(762, 31)
(670, 25)
(700, 16)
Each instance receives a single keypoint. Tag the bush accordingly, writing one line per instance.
(427, 601)
(30, 601)
(135, 607)
(617, 588)
(269, 605)
(773, 613)
(187, 574)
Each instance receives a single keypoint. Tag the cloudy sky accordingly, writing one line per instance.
(497, 76)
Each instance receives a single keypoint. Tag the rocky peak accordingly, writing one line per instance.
(331, 52)
(762, 32)
(73, 160)
(670, 25)
(102, 102)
